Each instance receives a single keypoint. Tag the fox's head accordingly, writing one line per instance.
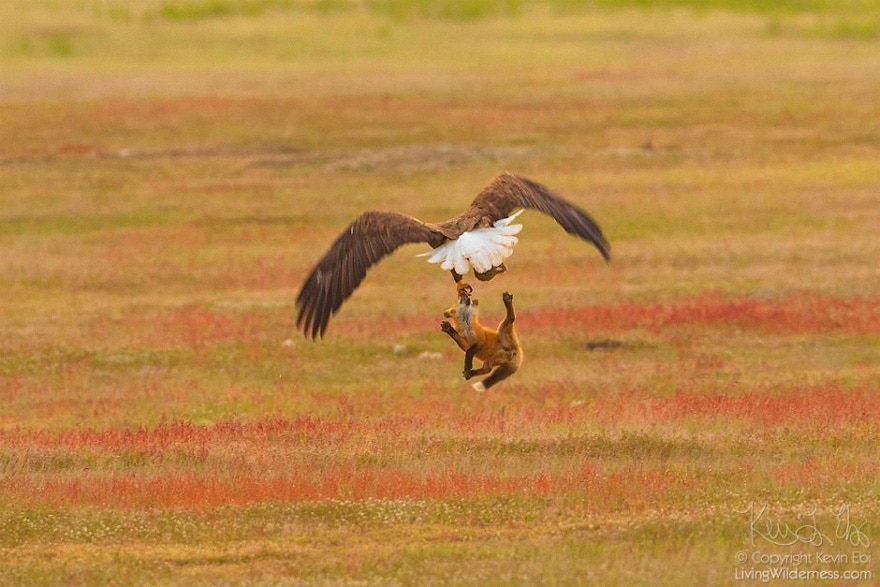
(464, 291)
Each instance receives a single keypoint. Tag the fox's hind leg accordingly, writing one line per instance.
(469, 360)
(469, 370)
(501, 373)
(507, 298)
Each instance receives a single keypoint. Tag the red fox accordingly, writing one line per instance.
(498, 349)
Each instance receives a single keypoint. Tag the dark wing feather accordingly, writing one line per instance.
(371, 236)
(507, 193)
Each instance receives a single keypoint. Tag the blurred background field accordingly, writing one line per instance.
(170, 170)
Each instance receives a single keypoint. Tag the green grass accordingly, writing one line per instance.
(171, 170)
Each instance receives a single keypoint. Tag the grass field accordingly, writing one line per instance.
(704, 410)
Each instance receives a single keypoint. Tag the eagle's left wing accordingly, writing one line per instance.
(507, 193)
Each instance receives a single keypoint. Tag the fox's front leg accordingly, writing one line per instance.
(449, 329)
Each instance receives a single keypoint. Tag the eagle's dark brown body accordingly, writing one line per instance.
(373, 235)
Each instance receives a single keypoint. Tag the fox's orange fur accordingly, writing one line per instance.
(498, 349)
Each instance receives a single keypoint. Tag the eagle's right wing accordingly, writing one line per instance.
(371, 236)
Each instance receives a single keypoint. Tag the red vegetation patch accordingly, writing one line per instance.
(190, 490)
(815, 472)
(815, 406)
(179, 464)
(180, 433)
(795, 314)
(810, 408)
(421, 453)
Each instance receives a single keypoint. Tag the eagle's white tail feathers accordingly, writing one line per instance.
(506, 221)
(482, 249)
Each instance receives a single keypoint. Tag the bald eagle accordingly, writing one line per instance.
(481, 238)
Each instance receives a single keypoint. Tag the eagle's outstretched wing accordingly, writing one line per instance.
(371, 236)
(507, 193)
